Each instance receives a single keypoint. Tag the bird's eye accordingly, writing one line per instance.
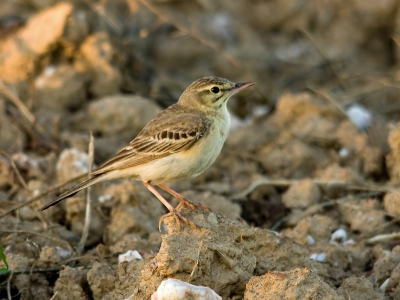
(215, 89)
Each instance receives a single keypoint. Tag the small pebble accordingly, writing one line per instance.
(310, 240)
(173, 289)
(129, 256)
(321, 257)
(344, 152)
(338, 237)
(359, 115)
(384, 285)
(212, 219)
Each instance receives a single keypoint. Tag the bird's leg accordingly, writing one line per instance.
(172, 210)
(183, 199)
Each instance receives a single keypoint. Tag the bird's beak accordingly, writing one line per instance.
(241, 86)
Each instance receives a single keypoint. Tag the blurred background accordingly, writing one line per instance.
(68, 68)
(320, 124)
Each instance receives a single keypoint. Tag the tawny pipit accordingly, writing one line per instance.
(180, 142)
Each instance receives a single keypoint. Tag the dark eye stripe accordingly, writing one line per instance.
(216, 99)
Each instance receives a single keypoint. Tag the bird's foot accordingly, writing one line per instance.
(191, 204)
(178, 217)
(183, 200)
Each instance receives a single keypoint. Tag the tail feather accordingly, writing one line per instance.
(71, 192)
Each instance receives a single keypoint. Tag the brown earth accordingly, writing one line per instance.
(304, 197)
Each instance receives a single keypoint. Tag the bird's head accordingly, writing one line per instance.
(211, 92)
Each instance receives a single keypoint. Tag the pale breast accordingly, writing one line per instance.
(210, 147)
(191, 162)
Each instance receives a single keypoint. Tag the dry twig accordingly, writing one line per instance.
(330, 99)
(29, 117)
(100, 10)
(37, 256)
(54, 296)
(285, 182)
(38, 197)
(9, 285)
(17, 172)
(85, 231)
(318, 207)
(56, 240)
(383, 238)
(321, 52)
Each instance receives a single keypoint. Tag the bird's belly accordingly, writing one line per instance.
(183, 164)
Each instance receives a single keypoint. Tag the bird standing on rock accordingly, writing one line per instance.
(180, 142)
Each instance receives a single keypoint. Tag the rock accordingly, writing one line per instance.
(71, 163)
(60, 87)
(135, 210)
(335, 172)
(372, 160)
(359, 288)
(218, 256)
(35, 188)
(71, 284)
(393, 286)
(6, 172)
(301, 284)
(20, 53)
(99, 54)
(50, 256)
(12, 138)
(75, 208)
(119, 114)
(18, 262)
(277, 253)
(319, 227)
(384, 265)
(393, 158)
(302, 106)
(350, 137)
(354, 257)
(362, 215)
(301, 194)
(289, 157)
(360, 147)
(317, 130)
(134, 241)
(33, 166)
(127, 280)
(101, 279)
(396, 36)
(216, 203)
(173, 289)
(117, 119)
(391, 201)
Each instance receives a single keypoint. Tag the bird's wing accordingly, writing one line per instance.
(167, 134)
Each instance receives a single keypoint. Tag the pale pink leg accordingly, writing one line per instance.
(182, 199)
(172, 211)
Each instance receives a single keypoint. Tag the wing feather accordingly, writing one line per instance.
(167, 134)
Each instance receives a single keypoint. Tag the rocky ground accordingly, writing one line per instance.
(304, 197)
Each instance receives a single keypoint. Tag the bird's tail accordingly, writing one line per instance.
(73, 191)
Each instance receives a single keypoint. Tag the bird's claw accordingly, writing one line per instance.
(191, 204)
(179, 217)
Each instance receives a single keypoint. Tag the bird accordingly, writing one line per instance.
(180, 142)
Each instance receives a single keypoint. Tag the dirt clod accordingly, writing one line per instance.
(359, 288)
(293, 284)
